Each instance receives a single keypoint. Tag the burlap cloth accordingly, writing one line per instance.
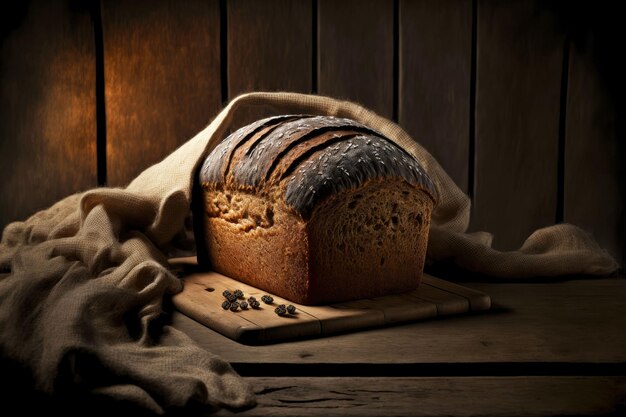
(88, 275)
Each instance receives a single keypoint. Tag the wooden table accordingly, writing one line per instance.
(555, 348)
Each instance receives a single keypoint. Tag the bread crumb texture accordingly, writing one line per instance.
(368, 242)
(244, 211)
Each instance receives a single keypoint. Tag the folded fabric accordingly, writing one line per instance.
(85, 279)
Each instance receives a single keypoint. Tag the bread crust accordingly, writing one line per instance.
(316, 210)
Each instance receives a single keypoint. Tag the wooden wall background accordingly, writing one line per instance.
(512, 101)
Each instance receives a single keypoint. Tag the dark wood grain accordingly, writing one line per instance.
(269, 48)
(592, 196)
(435, 77)
(519, 62)
(162, 79)
(505, 396)
(356, 52)
(47, 106)
(575, 322)
(434, 297)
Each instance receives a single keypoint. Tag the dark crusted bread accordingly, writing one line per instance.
(315, 209)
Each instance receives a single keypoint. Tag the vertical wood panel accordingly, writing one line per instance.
(269, 47)
(592, 197)
(435, 77)
(356, 52)
(47, 107)
(162, 78)
(519, 65)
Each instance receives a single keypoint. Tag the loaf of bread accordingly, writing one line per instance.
(315, 209)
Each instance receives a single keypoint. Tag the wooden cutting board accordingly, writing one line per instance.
(201, 299)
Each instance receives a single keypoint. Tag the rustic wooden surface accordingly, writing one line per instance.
(269, 48)
(202, 297)
(162, 79)
(48, 107)
(573, 322)
(435, 78)
(363, 74)
(553, 348)
(593, 162)
(469, 396)
(519, 65)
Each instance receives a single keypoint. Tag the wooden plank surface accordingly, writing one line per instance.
(483, 396)
(476, 302)
(593, 159)
(519, 65)
(267, 325)
(446, 302)
(435, 78)
(48, 106)
(355, 52)
(269, 49)
(202, 297)
(162, 79)
(572, 322)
